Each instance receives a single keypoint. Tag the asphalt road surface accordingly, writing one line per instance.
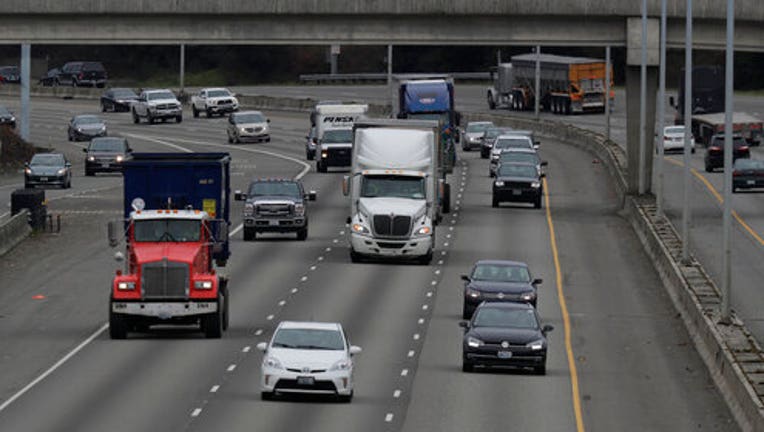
(629, 364)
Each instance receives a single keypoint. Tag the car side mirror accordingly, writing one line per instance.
(68, 164)
(466, 278)
(346, 185)
(312, 196)
(239, 196)
(542, 175)
(355, 350)
(84, 150)
(268, 120)
(112, 230)
(262, 346)
(547, 328)
(464, 324)
(537, 281)
(544, 163)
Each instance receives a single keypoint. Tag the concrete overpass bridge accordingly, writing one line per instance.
(390, 22)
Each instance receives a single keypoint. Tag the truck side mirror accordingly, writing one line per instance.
(239, 196)
(537, 281)
(544, 163)
(671, 102)
(312, 196)
(112, 232)
(547, 328)
(346, 185)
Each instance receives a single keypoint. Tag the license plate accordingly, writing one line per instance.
(504, 354)
(751, 182)
(516, 192)
(43, 179)
(273, 223)
(305, 381)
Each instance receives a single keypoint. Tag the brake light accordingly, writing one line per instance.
(81, 75)
(736, 173)
(744, 148)
(714, 149)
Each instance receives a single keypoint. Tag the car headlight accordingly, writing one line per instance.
(324, 154)
(249, 209)
(360, 229)
(299, 209)
(536, 345)
(424, 231)
(472, 293)
(103, 128)
(341, 365)
(242, 129)
(126, 286)
(91, 158)
(536, 185)
(79, 129)
(205, 285)
(529, 296)
(272, 362)
(474, 342)
(499, 183)
(120, 158)
(494, 156)
(62, 171)
(28, 171)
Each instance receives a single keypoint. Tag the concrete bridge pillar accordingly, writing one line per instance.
(633, 62)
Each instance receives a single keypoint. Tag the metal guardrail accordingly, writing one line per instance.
(382, 77)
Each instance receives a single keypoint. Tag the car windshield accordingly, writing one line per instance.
(338, 136)
(87, 120)
(167, 230)
(249, 118)
(737, 141)
(160, 95)
(521, 157)
(47, 160)
(218, 93)
(478, 127)
(392, 186)
(501, 273)
(123, 93)
(674, 130)
(11, 70)
(503, 143)
(107, 145)
(749, 164)
(309, 339)
(272, 188)
(505, 317)
(517, 170)
(493, 133)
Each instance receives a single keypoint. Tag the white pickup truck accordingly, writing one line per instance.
(156, 105)
(213, 101)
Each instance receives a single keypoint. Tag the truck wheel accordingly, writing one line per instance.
(540, 370)
(117, 326)
(426, 259)
(491, 102)
(226, 303)
(537, 203)
(250, 234)
(446, 203)
(195, 111)
(302, 234)
(354, 256)
(320, 167)
(151, 119)
(212, 325)
(566, 107)
(494, 202)
(136, 119)
(208, 112)
(179, 119)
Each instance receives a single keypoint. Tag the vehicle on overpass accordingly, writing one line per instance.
(431, 97)
(10, 75)
(118, 99)
(214, 101)
(567, 84)
(518, 182)
(498, 280)
(83, 73)
(396, 193)
(275, 205)
(707, 92)
(706, 126)
(176, 208)
(50, 79)
(715, 153)
(505, 334)
(156, 105)
(7, 118)
(472, 136)
(747, 174)
(248, 126)
(334, 133)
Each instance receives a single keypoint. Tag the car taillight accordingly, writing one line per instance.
(743, 148)
(714, 149)
(81, 75)
(736, 173)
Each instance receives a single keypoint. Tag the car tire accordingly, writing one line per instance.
(709, 168)
(268, 139)
(355, 256)
(117, 326)
(537, 203)
(68, 184)
(540, 370)
(249, 234)
(208, 113)
(491, 102)
(302, 234)
(426, 259)
(320, 167)
(237, 139)
(446, 198)
(345, 398)
(88, 173)
(266, 396)
(692, 151)
(195, 111)
(230, 140)
(103, 107)
(309, 155)
(494, 203)
(179, 119)
(483, 154)
(212, 324)
(466, 312)
(26, 186)
(136, 119)
(467, 366)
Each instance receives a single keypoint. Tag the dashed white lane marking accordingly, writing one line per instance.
(294, 290)
(312, 268)
(429, 293)
(342, 232)
(328, 249)
(434, 283)
(321, 258)
(411, 353)
(445, 244)
(448, 236)
(196, 412)
(231, 368)
(425, 307)
(437, 271)
(450, 228)
(416, 336)
(246, 349)
(259, 332)
(420, 321)
(440, 262)
(443, 253)
(303, 279)
(389, 417)
(214, 388)
(404, 372)
(269, 317)
(335, 241)
(282, 303)
(397, 394)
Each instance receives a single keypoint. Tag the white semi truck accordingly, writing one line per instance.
(395, 189)
(334, 133)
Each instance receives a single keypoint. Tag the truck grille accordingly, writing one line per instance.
(165, 279)
(224, 102)
(166, 106)
(392, 226)
(274, 209)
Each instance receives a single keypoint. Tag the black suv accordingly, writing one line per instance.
(715, 153)
(79, 73)
(518, 182)
(275, 205)
(106, 154)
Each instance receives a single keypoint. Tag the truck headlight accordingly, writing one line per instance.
(249, 209)
(28, 170)
(536, 185)
(126, 286)
(91, 158)
(424, 231)
(536, 345)
(299, 209)
(474, 342)
(360, 229)
(324, 154)
(499, 183)
(205, 285)
(120, 158)
(529, 296)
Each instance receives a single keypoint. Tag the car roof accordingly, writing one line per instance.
(311, 325)
(479, 122)
(274, 179)
(501, 262)
(84, 116)
(518, 150)
(216, 88)
(506, 305)
(238, 113)
(513, 134)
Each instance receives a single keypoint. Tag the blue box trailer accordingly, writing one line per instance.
(181, 180)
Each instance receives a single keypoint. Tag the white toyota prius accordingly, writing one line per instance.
(310, 358)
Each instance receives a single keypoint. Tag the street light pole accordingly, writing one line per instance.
(536, 96)
(687, 134)
(643, 101)
(608, 78)
(661, 114)
(729, 105)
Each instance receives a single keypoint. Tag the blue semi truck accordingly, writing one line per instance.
(177, 217)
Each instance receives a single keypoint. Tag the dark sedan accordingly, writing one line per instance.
(517, 155)
(50, 79)
(518, 182)
(48, 169)
(118, 99)
(7, 118)
(505, 335)
(495, 280)
(489, 136)
(85, 128)
(715, 154)
(748, 174)
(106, 154)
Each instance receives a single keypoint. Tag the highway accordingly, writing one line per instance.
(629, 364)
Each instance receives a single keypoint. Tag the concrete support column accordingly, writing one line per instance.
(633, 85)
(182, 68)
(26, 74)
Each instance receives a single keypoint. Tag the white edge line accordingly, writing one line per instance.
(57, 365)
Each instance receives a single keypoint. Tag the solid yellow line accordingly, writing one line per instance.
(565, 315)
(720, 200)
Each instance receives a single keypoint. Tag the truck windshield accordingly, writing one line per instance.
(167, 230)
(160, 95)
(392, 186)
(336, 136)
(281, 188)
(504, 143)
(218, 93)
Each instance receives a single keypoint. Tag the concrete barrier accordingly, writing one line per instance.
(14, 230)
